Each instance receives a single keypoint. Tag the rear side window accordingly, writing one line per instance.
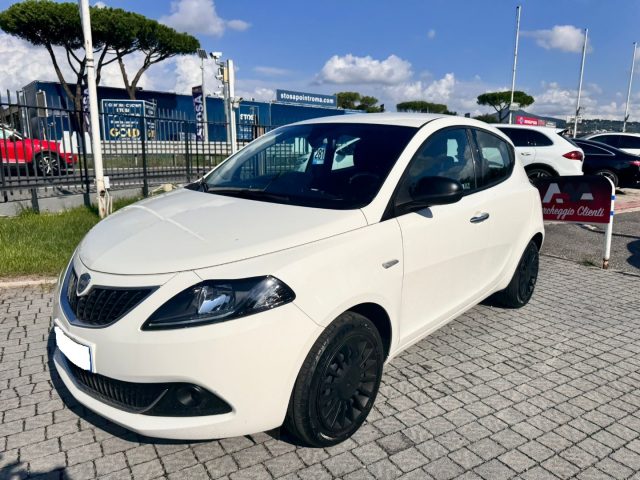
(629, 142)
(611, 140)
(522, 137)
(496, 158)
(589, 149)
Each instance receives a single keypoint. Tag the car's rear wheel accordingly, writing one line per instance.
(520, 289)
(610, 175)
(539, 172)
(338, 382)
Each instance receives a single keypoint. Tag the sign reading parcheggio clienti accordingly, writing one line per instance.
(302, 98)
(576, 199)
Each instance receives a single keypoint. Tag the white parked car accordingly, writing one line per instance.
(628, 142)
(267, 294)
(544, 151)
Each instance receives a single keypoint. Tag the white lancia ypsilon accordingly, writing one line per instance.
(272, 291)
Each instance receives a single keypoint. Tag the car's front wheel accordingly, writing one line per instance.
(48, 164)
(338, 382)
(520, 289)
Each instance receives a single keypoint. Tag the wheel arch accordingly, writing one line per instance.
(380, 318)
(537, 239)
(541, 166)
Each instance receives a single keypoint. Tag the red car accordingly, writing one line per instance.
(43, 156)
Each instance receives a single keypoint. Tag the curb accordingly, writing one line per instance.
(27, 283)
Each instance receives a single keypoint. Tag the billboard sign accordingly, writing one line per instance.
(576, 199)
(123, 119)
(248, 119)
(198, 108)
(522, 120)
(302, 98)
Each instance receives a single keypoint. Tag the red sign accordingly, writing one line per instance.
(581, 199)
(536, 122)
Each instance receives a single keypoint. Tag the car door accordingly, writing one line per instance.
(507, 200)
(445, 260)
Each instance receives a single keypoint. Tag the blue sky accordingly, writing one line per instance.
(446, 51)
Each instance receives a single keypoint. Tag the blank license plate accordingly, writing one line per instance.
(76, 353)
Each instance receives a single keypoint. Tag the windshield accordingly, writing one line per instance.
(328, 165)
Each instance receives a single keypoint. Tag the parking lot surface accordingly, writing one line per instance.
(551, 390)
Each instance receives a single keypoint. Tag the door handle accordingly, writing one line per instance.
(525, 154)
(479, 218)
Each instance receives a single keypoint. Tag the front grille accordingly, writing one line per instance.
(131, 397)
(102, 305)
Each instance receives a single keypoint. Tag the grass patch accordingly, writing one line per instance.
(41, 244)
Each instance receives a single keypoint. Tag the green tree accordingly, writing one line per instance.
(487, 118)
(116, 33)
(500, 101)
(420, 106)
(357, 101)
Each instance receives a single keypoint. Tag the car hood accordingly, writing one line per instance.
(187, 230)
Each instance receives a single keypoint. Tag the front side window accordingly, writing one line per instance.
(324, 165)
(446, 153)
(496, 158)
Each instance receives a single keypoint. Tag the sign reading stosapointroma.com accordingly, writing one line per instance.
(302, 98)
(581, 199)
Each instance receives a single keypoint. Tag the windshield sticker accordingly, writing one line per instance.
(318, 157)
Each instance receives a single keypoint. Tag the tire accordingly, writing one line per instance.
(610, 175)
(539, 172)
(520, 288)
(338, 382)
(48, 164)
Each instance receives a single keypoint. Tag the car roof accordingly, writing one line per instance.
(530, 127)
(416, 120)
(623, 134)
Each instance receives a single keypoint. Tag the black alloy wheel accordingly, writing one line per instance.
(338, 382)
(48, 164)
(523, 283)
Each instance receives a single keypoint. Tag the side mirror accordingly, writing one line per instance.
(431, 191)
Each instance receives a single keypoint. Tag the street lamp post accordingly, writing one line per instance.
(584, 54)
(515, 62)
(96, 147)
(626, 107)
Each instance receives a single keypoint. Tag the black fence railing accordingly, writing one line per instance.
(47, 151)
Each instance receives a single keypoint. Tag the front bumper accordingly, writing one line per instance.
(251, 362)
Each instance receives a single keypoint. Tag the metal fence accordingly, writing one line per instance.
(47, 151)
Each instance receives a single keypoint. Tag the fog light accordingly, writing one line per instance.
(189, 396)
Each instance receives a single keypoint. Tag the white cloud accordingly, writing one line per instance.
(271, 71)
(438, 91)
(199, 17)
(350, 69)
(566, 38)
(100, 5)
(239, 25)
(431, 34)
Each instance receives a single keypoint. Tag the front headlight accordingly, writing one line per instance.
(215, 301)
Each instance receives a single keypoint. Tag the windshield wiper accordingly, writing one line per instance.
(249, 193)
